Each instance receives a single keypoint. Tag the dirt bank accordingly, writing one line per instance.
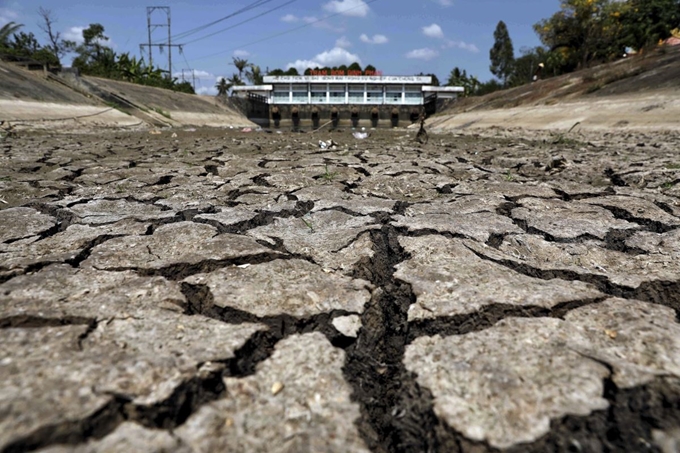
(69, 103)
(640, 93)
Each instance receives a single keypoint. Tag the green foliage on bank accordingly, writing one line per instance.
(580, 34)
(93, 57)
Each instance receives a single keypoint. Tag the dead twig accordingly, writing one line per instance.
(421, 136)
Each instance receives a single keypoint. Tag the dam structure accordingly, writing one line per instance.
(345, 100)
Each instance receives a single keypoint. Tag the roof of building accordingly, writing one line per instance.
(415, 80)
(443, 89)
(252, 87)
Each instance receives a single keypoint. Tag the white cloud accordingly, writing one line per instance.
(7, 16)
(444, 2)
(460, 45)
(433, 31)
(313, 21)
(356, 8)
(209, 90)
(241, 53)
(423, 54)
(334, 57)
(343, 42)
(74, 34)
(376, 39)
(316, 23)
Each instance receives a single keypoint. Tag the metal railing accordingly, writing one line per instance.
(258, 97)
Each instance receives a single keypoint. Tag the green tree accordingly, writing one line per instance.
(291, 72)
(489, 87)
(94, 57)
(183, 87)
(645, 22)
(235, 80)
(6, 32)
(241, 64)
(435, 79)
(502, 54)
(223, 86)
(254, 74)
(460, 78)
(526, 65)
(354, 67)
(587, 30)
(455, 77)
(25, 46)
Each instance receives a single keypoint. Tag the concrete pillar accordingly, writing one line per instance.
(394, 116)
(315, 117)
(354, 115)
(295, 117)
(335, 116)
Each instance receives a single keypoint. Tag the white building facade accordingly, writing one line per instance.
(354, 90)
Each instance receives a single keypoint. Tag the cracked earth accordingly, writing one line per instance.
(229, 291)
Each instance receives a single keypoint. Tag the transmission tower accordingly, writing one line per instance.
(151, 27)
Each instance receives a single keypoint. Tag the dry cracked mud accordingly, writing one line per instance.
(231, 291)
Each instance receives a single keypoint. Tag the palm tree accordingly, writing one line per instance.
(7, 30)
(223, 87)
(254, 75)
(235, 80)
(241, 64)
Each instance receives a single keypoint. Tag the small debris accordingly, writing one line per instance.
(155, 132)
(360, 135)
(611, 333)
(557, 164)
(421, 136)
(276, 388)
(330, 144)
(348, 325)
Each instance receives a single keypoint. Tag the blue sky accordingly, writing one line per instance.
(398, 37)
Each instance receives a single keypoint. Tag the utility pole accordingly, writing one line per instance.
(193, 77)
(168, 44)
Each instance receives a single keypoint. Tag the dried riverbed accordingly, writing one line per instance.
(245, 291)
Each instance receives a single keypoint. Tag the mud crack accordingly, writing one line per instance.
(396, 413)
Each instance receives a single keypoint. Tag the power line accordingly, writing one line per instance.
(243, 22)
(285, 32)
(229, 16)
(193, 71)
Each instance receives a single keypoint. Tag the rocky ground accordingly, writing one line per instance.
(231, 291)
